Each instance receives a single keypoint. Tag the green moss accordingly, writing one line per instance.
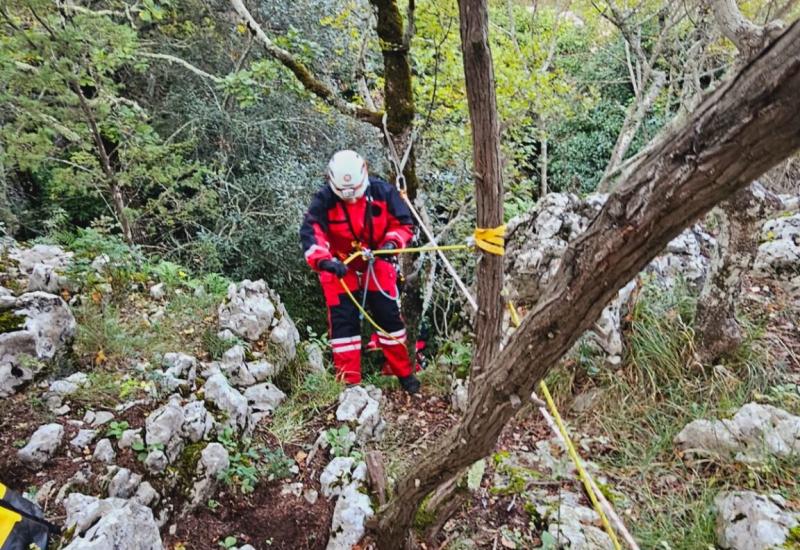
(424, 518)
(793, 540)
(186, 465)
(10, 322)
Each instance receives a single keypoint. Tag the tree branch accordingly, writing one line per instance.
(178, 61)
(303, 74)
(748, 37)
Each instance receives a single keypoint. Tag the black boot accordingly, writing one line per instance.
(410, 384)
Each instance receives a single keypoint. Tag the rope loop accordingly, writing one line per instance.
(491, 239)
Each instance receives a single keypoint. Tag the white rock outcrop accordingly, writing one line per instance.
(754, 434)
(749, 521)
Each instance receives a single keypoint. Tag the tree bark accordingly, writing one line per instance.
(736, 134)
(484, 120)
(718, 331)
(400, 113)
(302, 73)
(748, 37)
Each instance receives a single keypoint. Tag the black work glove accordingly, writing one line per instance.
(333, 266)
(388, 245)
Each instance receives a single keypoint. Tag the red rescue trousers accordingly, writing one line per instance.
(344, 323)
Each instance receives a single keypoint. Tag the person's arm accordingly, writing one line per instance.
(400, 229)
(313, 232)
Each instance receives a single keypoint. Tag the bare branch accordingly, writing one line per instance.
(308, 80)
(178, 61)
(748, 37)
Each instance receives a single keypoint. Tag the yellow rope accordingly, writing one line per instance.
(578, 465)
(576, 460)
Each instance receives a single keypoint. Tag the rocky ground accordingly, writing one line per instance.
(142, 408)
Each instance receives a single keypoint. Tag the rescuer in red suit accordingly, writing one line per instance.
(351, 213)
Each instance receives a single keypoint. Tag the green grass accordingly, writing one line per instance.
(658, 390)
(316, 392)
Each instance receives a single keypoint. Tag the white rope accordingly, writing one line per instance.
(401, 186)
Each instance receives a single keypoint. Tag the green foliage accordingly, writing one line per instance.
(115, 429)
(9, 322)
(250, 463)
(342, 442)
(73, 128)
(228, 542)
(142, 450)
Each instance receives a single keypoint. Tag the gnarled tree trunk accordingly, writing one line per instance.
(718, 331)
(749, 124)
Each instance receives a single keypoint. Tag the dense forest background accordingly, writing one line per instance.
(168, 124)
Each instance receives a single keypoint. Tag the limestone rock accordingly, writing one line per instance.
(252, 310)
(350, 515)
(129, 437)
(104, 451)
(248, 311)
(156, 461)
(197, 422)
(315, 358)
(749, 521)
(146, 495)
(779, 251)
(458, 394)
(46, 328)
(41, 254)
(339, 473)
(362, 406)
(158, 291)
(264, 397)
(572, 523)
(214, 460)
(83, 439)
(124, 484)
(754, 434)
(42, 445)
(164, 427)
(228, 400)
(111, 523)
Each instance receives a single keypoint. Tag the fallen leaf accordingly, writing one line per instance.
(300, 457)
(507, 543)
(100, 358)
(97, 297)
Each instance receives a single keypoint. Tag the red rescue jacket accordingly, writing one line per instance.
(332, 228)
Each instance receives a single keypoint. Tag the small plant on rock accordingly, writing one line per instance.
(342, 441)
(115, 429)
(143, 450)
(228, 542)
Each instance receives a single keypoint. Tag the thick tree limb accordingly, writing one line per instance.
(748, 37)
(736, 134)
(303, 74)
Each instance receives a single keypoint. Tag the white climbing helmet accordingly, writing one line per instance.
(347, 175)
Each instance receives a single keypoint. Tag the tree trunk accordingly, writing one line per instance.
(543, 169)
(400, 112)
(633, 121)
(117, 200)
(749, 124)
(718, 330)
